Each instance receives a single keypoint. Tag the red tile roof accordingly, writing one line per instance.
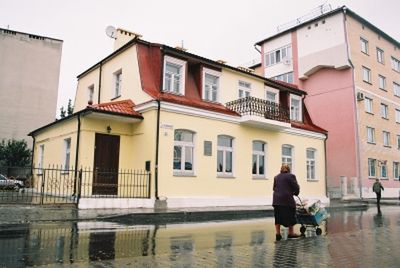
(123, 107)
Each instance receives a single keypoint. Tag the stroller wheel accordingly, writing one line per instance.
(318, 231)
(302, 229)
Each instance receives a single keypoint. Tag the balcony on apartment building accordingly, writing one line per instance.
(261, 113)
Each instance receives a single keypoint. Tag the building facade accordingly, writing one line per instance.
(211, 134)
(29, 70)
(351, 71)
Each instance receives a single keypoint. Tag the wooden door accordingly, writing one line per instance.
(106, 161)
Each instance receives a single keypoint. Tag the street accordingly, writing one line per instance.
(350, 238)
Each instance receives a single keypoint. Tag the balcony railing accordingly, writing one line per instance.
(260, 107)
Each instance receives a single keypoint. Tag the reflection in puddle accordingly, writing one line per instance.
(86, 242)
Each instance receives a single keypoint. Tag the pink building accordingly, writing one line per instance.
(351, 72)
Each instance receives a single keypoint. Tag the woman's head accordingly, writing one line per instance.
(285, 168)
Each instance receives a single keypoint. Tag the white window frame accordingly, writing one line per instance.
(364, 45)
(293, 111)
(276, 56)
(224, 150)
(371, 172)
(384, 111)
(397, 113)
(182, 65)
(311, 166)
(371, 135)
(368, 104)
(274, 91)
(244, 89)
(40, 159)
(212, 73)
(288, 159)
(366, 74)
(383, 166)
(117, 77)
(382, 82)
(184, 145)
(386, 138)
(259, 154)
(67, 154)
(395, 64)
(396, 170)
(90, 91)
(380, 55)
(286, 77)
(396, 89)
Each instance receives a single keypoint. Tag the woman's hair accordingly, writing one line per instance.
(285, 168)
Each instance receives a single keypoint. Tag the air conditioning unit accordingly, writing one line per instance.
(360, 96)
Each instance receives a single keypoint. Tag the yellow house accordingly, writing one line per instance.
(207, 133)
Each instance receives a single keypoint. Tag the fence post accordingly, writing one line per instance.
(42, 186)
(79, 186)
(149, 185)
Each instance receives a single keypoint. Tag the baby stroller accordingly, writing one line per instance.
(310, 216)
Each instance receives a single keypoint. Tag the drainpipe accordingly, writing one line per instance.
(255, 47)
(78, 135)
(326, 168)
(101, 65)
(33, 152)
(357, 137)
(157, 149)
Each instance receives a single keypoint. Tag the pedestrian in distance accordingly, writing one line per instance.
(377, 187)
(285, 187)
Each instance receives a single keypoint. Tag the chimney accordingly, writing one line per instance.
(123, 37)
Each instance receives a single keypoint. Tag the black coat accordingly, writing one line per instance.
(285, 186)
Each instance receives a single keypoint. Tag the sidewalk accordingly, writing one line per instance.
(23, 214)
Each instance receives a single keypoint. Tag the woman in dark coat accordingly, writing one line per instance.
(285, 186)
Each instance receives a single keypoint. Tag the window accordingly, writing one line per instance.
(276, 56)
(90, 94)
(386, 138)
(67, 153)
(272, 95)
(211, 85)
(364, 45)
(370, 135)
(244, 89)
(396, 89)
(371, 168)
(183, 151)
(295, 108)
(379, 55)
(366, 74)
(174, 75)
(287, 77)
(396, 170)
(258, 161)
(310, 164)
(225, 155)
(383, 169)
(398, 142)
(382, 81)
(287, 155)
(397, 115)
(117, 83)
(40, 159)
(384, 111)
(395, 64)
(368, 105)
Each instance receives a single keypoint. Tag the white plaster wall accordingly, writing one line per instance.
(279, 68)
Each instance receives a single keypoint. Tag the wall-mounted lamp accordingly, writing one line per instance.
(109, 129)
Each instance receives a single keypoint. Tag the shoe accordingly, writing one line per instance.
(278, 237)
(294, 236)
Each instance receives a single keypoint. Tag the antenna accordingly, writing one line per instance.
(111, 32)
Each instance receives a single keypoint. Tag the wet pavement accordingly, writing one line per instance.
(351, 238)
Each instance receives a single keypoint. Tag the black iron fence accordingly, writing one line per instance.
(255, 106)
(58, 185)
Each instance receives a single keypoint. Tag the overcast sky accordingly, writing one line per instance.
(215, 29)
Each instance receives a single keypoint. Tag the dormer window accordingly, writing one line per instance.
(295, 108)
(244, 89)
(210, 85)
(174, 75)
(272, 95)
(90, 94)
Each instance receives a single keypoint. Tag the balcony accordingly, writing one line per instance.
(261, 113)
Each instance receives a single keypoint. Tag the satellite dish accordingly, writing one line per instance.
(111, 32)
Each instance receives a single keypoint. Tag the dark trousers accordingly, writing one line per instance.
(378, 198)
